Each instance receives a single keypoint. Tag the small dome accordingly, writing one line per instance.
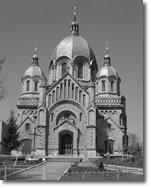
(34, 71)
(72, 47)
(107, 71)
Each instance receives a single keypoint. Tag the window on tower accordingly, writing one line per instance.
(36, 86)
(63, 68)
(103, 85)
(112, 86)
(80, 70)
(27, 85)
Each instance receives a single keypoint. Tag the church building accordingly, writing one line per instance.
(78, 109)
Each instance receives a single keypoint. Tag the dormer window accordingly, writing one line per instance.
(27, 85)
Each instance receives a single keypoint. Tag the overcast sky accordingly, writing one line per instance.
(22, 23)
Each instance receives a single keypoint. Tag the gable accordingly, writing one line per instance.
(26, 120)
(66, 76)
(114, 126)
(27, 133)
(66, 88)
(66, 125)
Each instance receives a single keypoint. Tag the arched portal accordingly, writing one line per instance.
(65, 142)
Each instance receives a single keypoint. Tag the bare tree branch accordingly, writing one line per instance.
(3, 91)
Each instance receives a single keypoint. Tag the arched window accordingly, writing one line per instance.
(52, 116)
(61, 90)
(76, 93)
(42, 117)
(65, 86)
(53, 96)
(27, 85)
(97, 87)
(84, 100)
(80, 70)
(63, 68)
(68, 88)
(103, 85)
(80, 117)
(112, 86)
(49, 99)
(66, 115)
(72, 91)
(36, 86)
(27, 126)
(80, 96)
(118, 87)
(57, 93)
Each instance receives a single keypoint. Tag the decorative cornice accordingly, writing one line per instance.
(30, 102)
(91, 126)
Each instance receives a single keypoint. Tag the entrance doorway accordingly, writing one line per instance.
(66, 143)
(26, 145)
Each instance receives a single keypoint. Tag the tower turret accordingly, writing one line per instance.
(107, 81)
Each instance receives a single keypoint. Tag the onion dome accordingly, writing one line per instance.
(73, 45)
(107, 69)
(34, 69)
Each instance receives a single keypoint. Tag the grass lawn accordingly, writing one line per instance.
(9, 162)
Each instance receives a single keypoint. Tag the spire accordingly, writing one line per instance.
(107, 58)
(74, 26)
(35, 56)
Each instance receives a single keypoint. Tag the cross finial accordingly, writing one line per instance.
(107, 55)
(75, 10)
(35, 56)
(107, 47)
(75, 13)
(36, 47)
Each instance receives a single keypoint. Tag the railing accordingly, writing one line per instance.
(101, 177)
(6, 170)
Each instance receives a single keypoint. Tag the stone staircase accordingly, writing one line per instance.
(61, 158)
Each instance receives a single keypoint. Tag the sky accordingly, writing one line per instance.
(120, 22)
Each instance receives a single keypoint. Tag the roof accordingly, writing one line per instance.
(72, 47)
(107, 70)
(34, 70)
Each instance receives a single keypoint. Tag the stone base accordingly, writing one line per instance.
(91, 153)
(39, 153)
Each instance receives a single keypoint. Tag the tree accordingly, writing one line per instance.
(3, 91)
(11, 140)
(134, 144)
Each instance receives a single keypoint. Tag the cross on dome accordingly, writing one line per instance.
(74, 26)
(107, 58)
(35, 56)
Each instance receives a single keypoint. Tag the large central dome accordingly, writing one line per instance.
(72, 47)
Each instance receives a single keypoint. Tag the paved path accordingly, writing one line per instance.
(125, 169)
(48, 171)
